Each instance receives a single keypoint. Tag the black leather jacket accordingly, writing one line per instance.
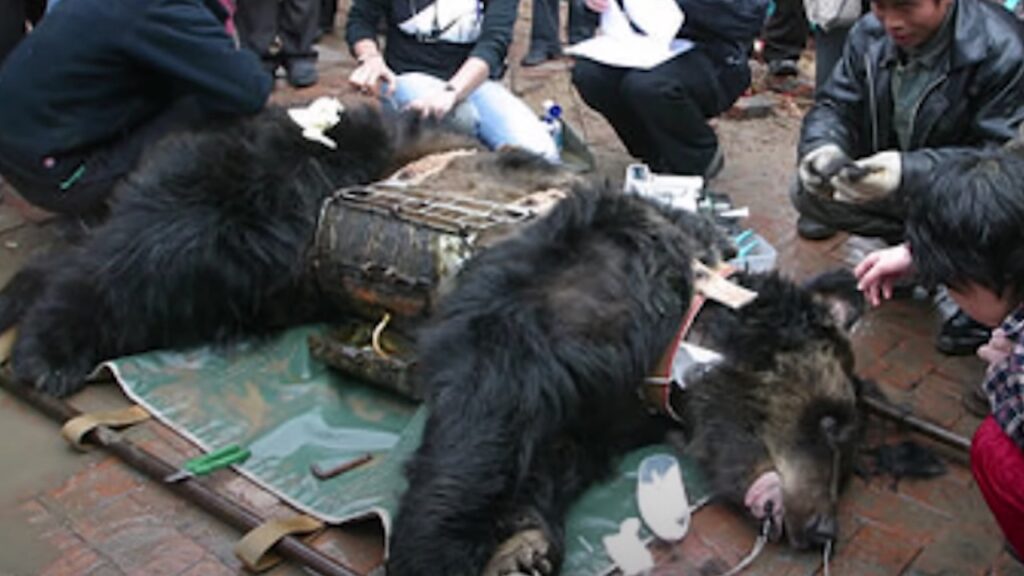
(977, 101)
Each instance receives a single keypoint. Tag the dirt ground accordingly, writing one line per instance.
(69, 513)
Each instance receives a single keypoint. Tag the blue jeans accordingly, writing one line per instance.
(490, 113)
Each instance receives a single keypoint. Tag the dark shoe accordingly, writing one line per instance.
(783, 68)
(716, 165)
(538, 57)
(270, 64)
(810, 229)
(961, 335)
(975, 402)
(302, 72)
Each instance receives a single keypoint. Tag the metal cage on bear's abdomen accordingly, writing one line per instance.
(386, 251)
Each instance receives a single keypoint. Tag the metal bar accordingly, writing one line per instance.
(198, 493)
(924, 427)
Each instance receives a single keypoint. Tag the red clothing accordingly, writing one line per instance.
(998, 467)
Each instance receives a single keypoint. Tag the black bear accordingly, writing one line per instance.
(206, 242)
(532, 368)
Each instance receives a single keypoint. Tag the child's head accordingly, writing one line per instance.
(967, 231)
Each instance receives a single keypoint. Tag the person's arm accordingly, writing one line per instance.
(495, 35)
(185, 42)
(467, 78)
(488, 54)
(364, 17)
(877, 272)
(839, 106)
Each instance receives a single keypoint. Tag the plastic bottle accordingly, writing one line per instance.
(552, 119)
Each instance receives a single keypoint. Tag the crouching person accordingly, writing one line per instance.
(96, 82)
(446, 64)
(966, 231)
(661, 114)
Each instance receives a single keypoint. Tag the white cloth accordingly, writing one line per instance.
(618, 44)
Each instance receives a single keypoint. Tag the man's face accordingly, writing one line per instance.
(910, 23)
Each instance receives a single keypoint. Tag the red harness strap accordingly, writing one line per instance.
(658, 386)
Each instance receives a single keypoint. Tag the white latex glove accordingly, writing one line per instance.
(869, 178)
(767, 488)
(818, 166)
(320, 116)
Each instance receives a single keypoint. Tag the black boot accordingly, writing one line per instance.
(961, 335)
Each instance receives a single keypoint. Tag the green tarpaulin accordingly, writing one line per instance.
(293, 412)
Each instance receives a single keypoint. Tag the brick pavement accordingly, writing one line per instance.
(89, 514)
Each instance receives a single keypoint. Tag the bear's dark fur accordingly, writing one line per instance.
(532, 369)
(205, 243)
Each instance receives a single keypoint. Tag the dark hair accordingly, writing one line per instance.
(968, 225)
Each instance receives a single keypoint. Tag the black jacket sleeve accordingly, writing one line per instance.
(364, 17)
(841, 103)
(496, 33)
(183, 40)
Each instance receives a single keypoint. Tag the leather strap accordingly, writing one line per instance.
(254, 548)
(75, 429)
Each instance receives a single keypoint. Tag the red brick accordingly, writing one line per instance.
(216, 537)
(967, 370)
(875, 550)
(1006, 565)
(359, 545)
(938, 403)
(73, 561)
(877, 506)
(210, 567)
(246, 493)
(109, 521)
(172, 556)
(726, 531)
(963, 550)
(96, 486)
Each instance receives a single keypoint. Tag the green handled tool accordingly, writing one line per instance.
(200, 465)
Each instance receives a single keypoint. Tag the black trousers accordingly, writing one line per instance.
(661, 114)
(544, 27)
(785, 33)
(80, 183)
(295, 22)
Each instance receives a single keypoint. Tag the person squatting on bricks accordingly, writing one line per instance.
(966, 230)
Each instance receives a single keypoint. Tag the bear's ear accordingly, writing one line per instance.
(837, 290)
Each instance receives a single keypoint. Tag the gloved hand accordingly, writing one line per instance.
(869, 178)
(818, 166)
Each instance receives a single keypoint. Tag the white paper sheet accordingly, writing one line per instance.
(618, 44)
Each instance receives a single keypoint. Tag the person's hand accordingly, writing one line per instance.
(879, 269)
(596, 5)
(818, 166)
(368, 76)
(764, 499)
(997, 349)
(869, 178)
(437, 104)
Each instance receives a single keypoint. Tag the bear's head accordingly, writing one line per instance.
(776, 422)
